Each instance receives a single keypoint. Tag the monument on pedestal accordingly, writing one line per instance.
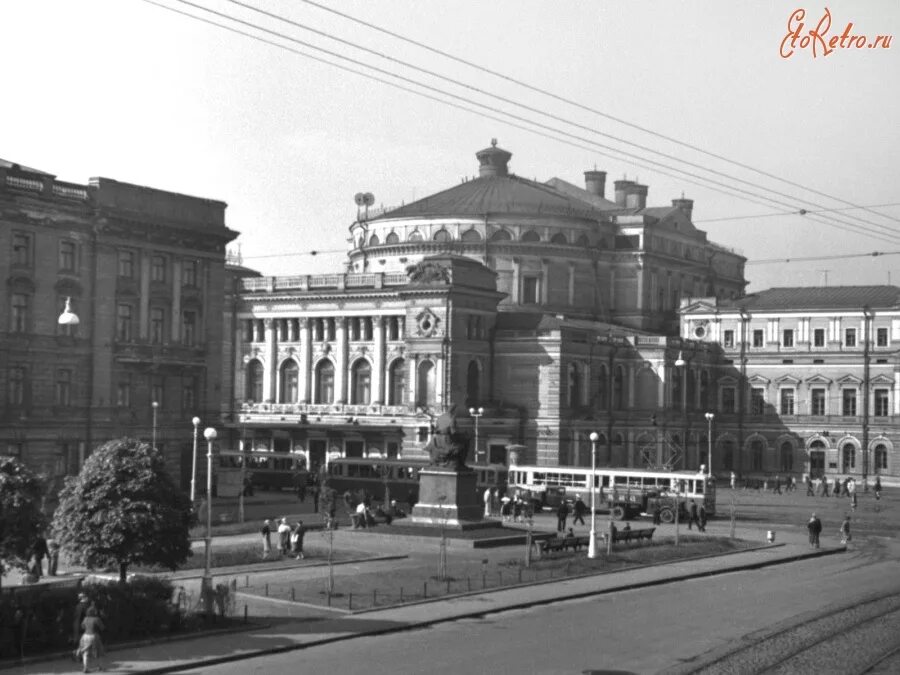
(447, 487)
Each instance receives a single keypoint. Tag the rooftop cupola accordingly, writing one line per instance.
(493, 160)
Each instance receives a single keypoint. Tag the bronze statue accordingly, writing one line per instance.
(448, 446)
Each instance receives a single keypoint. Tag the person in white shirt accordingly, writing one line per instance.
(487, 502)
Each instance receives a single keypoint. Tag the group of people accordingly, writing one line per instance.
(86, 629)
(821, 487)
(814, 527)
(290, 539)
(516, 509)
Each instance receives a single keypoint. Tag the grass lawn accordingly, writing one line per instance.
(411, 584)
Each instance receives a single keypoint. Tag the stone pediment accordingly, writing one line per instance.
(758, 379)
(818, 379)
(788, 379)
(882, 379)
(849, 379)
(700, 306)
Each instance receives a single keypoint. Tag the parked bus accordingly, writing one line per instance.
(625, 492)
(400, 476)
(264, 471)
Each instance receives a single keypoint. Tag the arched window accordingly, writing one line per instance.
(471, 235)
(574, 386)
(531, 236)
(881, 456)
(374, 241)
(255, 381)
(415, 235)
(583, 242)
(601, 387)
(397, 383)
(848, 457)
(817, 458)
(618, 388)
(787, 456)
(290, 377)
(726, 452)
(559, 238)
(392, 238)
(501, 235)
(646, 389)
(425, 384)
(361, 387)
(473, 384)
(757, 446)
(325, 382)
(442, 235)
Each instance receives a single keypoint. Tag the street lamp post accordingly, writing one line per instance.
(196, 423)
(709, 420)
(206, 591)
(592, 540)
(476, 413)
(155, 406)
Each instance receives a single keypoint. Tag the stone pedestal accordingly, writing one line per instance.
(459, 509)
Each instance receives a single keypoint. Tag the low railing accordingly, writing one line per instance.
(314, 282)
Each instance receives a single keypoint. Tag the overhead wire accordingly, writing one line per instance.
(681, 173)
(524, 106)
(590, 109)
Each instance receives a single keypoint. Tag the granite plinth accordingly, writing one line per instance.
(448, 498)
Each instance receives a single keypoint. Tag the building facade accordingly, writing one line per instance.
(811, 379)
(144, 272)
(544, 304)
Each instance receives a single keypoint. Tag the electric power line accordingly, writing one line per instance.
(843, 224)
(841, 256)
(801, 212)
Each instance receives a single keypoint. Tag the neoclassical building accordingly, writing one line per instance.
(815, 382)
(545, 304)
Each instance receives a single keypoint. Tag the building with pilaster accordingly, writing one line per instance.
(144, 272)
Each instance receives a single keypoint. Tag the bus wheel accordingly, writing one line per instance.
(667, 516)
(618, 513)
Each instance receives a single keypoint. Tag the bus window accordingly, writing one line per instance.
(540, 478)
(698, 486)
(605, 481)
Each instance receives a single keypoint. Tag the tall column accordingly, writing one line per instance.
(340, 368)
(629, 374)
(571, 284)
(378, 366)
(270, 374)
(305, 361)
(517, 282)
(545, 282)
(176, 301)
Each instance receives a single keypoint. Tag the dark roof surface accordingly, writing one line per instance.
(819, 297)
(6, 164)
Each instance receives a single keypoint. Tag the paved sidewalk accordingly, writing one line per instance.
(298, 626)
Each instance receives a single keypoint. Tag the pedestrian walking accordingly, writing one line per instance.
(297, 535)
(578, 511)
(845, 530)
(693, 516)
(90, 646)
(657, 513)
(824, 486)
(505, 508)
(487, 502)
(733, 480)
(877, 488)
(809, 487)
(836, 490)
(79, 614)
(776, 489)
(52, 557)
(284, 537)
(39, 551)
(266, 532)
(814, 526)
(562, 514)
(702, 522)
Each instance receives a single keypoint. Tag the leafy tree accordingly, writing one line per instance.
(21, 519)
(124, 509)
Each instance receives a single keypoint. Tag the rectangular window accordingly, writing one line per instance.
(757, 400)
(728, 339)
(20, 313)
(817, 402)
(819, 337)
(850, 337)
(158, 268)
(882, 402)
(189, 394)
(126, 264)
(67, 256)
(16, 392)
(787, 337)
(530, 288)
(849, 402)
(189, 278)
(123, 323)
(881, 337)
(787, 401)
(728, 399)
(189, 328)
(123, 392)
(64, 387)
(157, 325)
(21, 245)
(757, 338)
(157, 389)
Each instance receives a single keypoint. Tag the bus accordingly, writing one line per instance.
(625, 492)
(264, 471)
(399, 476)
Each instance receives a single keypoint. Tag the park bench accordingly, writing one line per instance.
(558, 544)
(628, 536)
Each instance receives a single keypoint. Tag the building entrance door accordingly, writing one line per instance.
(816, 463)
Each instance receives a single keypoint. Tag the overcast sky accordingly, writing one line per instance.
(127, 90)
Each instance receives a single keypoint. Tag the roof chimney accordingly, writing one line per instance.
(636, 196)
(623, 187)
(685, 205)
(492, 161)
(595, 183)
